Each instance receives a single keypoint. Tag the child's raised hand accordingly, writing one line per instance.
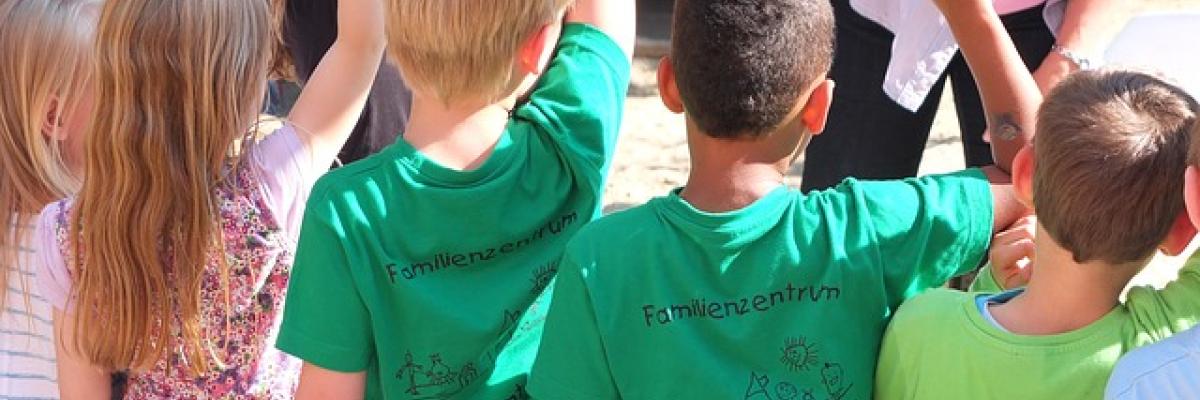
(333, 98)
(1012, 253)
(616, 18)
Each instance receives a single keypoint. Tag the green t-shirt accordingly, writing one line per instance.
(420, 275)
(786, 299)
(939, 346)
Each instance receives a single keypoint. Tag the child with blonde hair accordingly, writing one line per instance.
(173, 259)
(419, 267)
(46, 105)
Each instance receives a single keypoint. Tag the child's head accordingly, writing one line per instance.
(45, 48)
(471, 50)
(1107, 166)
(182, 82)
(746, 69)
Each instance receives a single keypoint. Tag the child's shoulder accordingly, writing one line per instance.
(355, 177)
(616, 230)
(929, 310)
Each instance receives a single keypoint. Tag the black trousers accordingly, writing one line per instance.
(868, 135)
(310, 27)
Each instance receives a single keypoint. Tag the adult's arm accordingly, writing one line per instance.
(1087, 28)
(1009, 94)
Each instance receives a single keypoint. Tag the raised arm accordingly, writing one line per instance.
(334, 97)
(1009, 94)
(617, 18)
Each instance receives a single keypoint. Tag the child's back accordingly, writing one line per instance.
(417, 265)
(737, 286)
(172, 261)
(1105, 176)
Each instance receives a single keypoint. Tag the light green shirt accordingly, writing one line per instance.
(786, 299)
(939, 346)
(420, 275)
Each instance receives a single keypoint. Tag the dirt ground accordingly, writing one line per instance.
(652, 154)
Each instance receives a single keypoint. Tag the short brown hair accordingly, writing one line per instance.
(742, 65)
(458, 49)
(1111, 149)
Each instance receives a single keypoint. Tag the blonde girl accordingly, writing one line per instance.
(43, 110)
(175, 255)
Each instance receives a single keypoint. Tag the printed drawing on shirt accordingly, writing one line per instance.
(802, 358)
(798, 355)
(434, 380)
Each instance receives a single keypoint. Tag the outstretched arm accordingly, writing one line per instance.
(616, 18)
(1009, 94)
(334, 97)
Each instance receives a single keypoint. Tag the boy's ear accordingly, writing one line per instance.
(52, 124)
(667, 89)
(1191, 194)
(1022, 175)
(535, 51)
(815, 113)
(1180, 236)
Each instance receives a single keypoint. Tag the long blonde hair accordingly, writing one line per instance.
(44, 45)
(182, 81)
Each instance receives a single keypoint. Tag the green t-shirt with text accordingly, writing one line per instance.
(421, 275)
(940, 346)
(786, 299)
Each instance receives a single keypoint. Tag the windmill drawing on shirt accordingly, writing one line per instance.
(436, 380)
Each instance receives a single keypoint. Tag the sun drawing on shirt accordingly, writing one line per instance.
(798, 354)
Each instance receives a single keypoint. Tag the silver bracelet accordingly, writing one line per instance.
(1083, 63)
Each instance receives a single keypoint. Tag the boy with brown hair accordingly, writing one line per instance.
(1104, 174)
(417, 266)
(737, 286)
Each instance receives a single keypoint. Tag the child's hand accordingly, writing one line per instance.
(1012, 253)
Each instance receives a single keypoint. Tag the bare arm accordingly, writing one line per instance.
(1088, 27)
(616, 18)
(333, 99)
(1009, 94)
(77, 378)
(317, 383)
(1007, 208)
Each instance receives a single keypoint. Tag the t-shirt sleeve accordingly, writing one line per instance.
(53, 276)
(985, 282)
(571, 362)
(288, 173)
(929, 229)
(581, 98)
(325, 321)
(1173, 309)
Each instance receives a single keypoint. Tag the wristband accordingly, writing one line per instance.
(1081, 62)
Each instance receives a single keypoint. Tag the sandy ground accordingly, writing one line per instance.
(652, 154)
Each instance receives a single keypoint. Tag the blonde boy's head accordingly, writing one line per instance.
(451, 50)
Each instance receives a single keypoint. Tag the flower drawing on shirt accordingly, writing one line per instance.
(798, 354)
(786, 391)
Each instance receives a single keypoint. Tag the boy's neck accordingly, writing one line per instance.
(1063, 295)
(728, 175)
(459, 135)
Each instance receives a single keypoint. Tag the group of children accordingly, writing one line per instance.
(470, 260)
